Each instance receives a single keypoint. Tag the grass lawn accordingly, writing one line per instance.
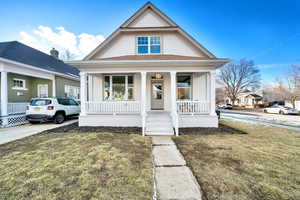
(77, 166)
(262, 165)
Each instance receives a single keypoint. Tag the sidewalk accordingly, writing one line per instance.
(173, 179)
(17, 132)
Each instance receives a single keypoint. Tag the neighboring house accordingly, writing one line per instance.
(149, 73)
(27, 73)
(247, 98)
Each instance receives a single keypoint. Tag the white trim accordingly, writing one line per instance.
(36, 68)
(150, 71)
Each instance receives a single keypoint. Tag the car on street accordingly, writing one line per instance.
(51, 109)
(225, 106)
(278, 109)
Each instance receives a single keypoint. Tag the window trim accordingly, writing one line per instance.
(19, 88)
(38, 90)
(191, 87)
(148, 45)
(111, 87)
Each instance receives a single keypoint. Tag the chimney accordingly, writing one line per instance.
(54, 53)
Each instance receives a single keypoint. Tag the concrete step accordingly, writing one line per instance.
(159, 128)
(151, 133)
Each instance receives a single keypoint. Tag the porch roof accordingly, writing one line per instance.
(150, 61)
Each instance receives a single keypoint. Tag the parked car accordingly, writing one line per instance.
(278, 109)
(51, 109)
(225, 106)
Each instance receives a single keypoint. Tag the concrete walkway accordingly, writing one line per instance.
(173, 179)
(17, 132)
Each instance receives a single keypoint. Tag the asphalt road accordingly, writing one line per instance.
(291, 122)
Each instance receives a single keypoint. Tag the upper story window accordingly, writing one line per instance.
(148, 45)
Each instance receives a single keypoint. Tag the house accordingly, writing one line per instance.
(27, 73)
(149, 73)
(247, 98)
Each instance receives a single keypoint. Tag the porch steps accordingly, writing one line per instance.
(159, 123)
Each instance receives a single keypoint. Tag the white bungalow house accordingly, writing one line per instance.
(149, 73)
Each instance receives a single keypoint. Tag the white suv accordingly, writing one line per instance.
(47, 109)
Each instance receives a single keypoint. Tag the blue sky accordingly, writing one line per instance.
(266, 31)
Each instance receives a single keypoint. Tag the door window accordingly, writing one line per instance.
(42, 90)
(157, 90)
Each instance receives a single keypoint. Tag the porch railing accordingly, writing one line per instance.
(16, 108)
(113, 107)
(193, 107)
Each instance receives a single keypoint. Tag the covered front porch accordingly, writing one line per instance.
(131, 98)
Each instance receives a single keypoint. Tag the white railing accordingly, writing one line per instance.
(16, 108)
(113, 107)
(191, 107)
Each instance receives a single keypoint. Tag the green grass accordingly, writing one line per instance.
(76, 166)
(262, 165)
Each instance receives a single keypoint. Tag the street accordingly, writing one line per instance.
(283, 121)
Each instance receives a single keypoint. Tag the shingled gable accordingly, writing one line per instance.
(163, 22)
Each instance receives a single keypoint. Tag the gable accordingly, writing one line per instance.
(149, 19)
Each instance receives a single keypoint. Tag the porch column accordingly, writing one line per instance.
(212, 92)
(173, 92)
(53, 87)
(83, 92)
(143, 92)
(4, 98)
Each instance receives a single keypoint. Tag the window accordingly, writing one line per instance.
(42, 90)
(72, 91)
(118, 87)
(148, 45)
(40, 102)
(19, 84)
(184, 87)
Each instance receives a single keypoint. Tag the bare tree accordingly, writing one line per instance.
(67, 55)
(293, 81)
(237, 77)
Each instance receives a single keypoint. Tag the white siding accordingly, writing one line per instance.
(172, 43)
(186, 121)
(149, 19)
(200, 86)
(110, 120)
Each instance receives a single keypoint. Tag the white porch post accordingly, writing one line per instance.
(143, 100)
(173, 91)
(83, 92)
(212, 92)
(173, 102)
(4, 98)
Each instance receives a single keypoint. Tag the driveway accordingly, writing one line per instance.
(17, 132)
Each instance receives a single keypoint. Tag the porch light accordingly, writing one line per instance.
(158, 76)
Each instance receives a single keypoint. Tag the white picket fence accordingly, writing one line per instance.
(113, 107)
(193, 107)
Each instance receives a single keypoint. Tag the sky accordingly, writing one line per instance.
(265, 31)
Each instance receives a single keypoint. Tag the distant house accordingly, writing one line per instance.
(247, 98)
(27, 73)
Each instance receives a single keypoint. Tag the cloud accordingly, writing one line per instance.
(44, 38)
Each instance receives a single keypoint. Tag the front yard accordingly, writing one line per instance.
(262, 165)
(77, 166)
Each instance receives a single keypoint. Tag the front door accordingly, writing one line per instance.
(157, 97)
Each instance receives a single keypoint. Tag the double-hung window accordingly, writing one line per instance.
(118, 87)
(148, 45)
(72, 91)
(184, 87)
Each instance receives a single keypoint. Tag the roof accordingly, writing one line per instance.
(155, 57)
(19, 52)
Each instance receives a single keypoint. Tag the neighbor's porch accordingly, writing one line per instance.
(188, 97)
